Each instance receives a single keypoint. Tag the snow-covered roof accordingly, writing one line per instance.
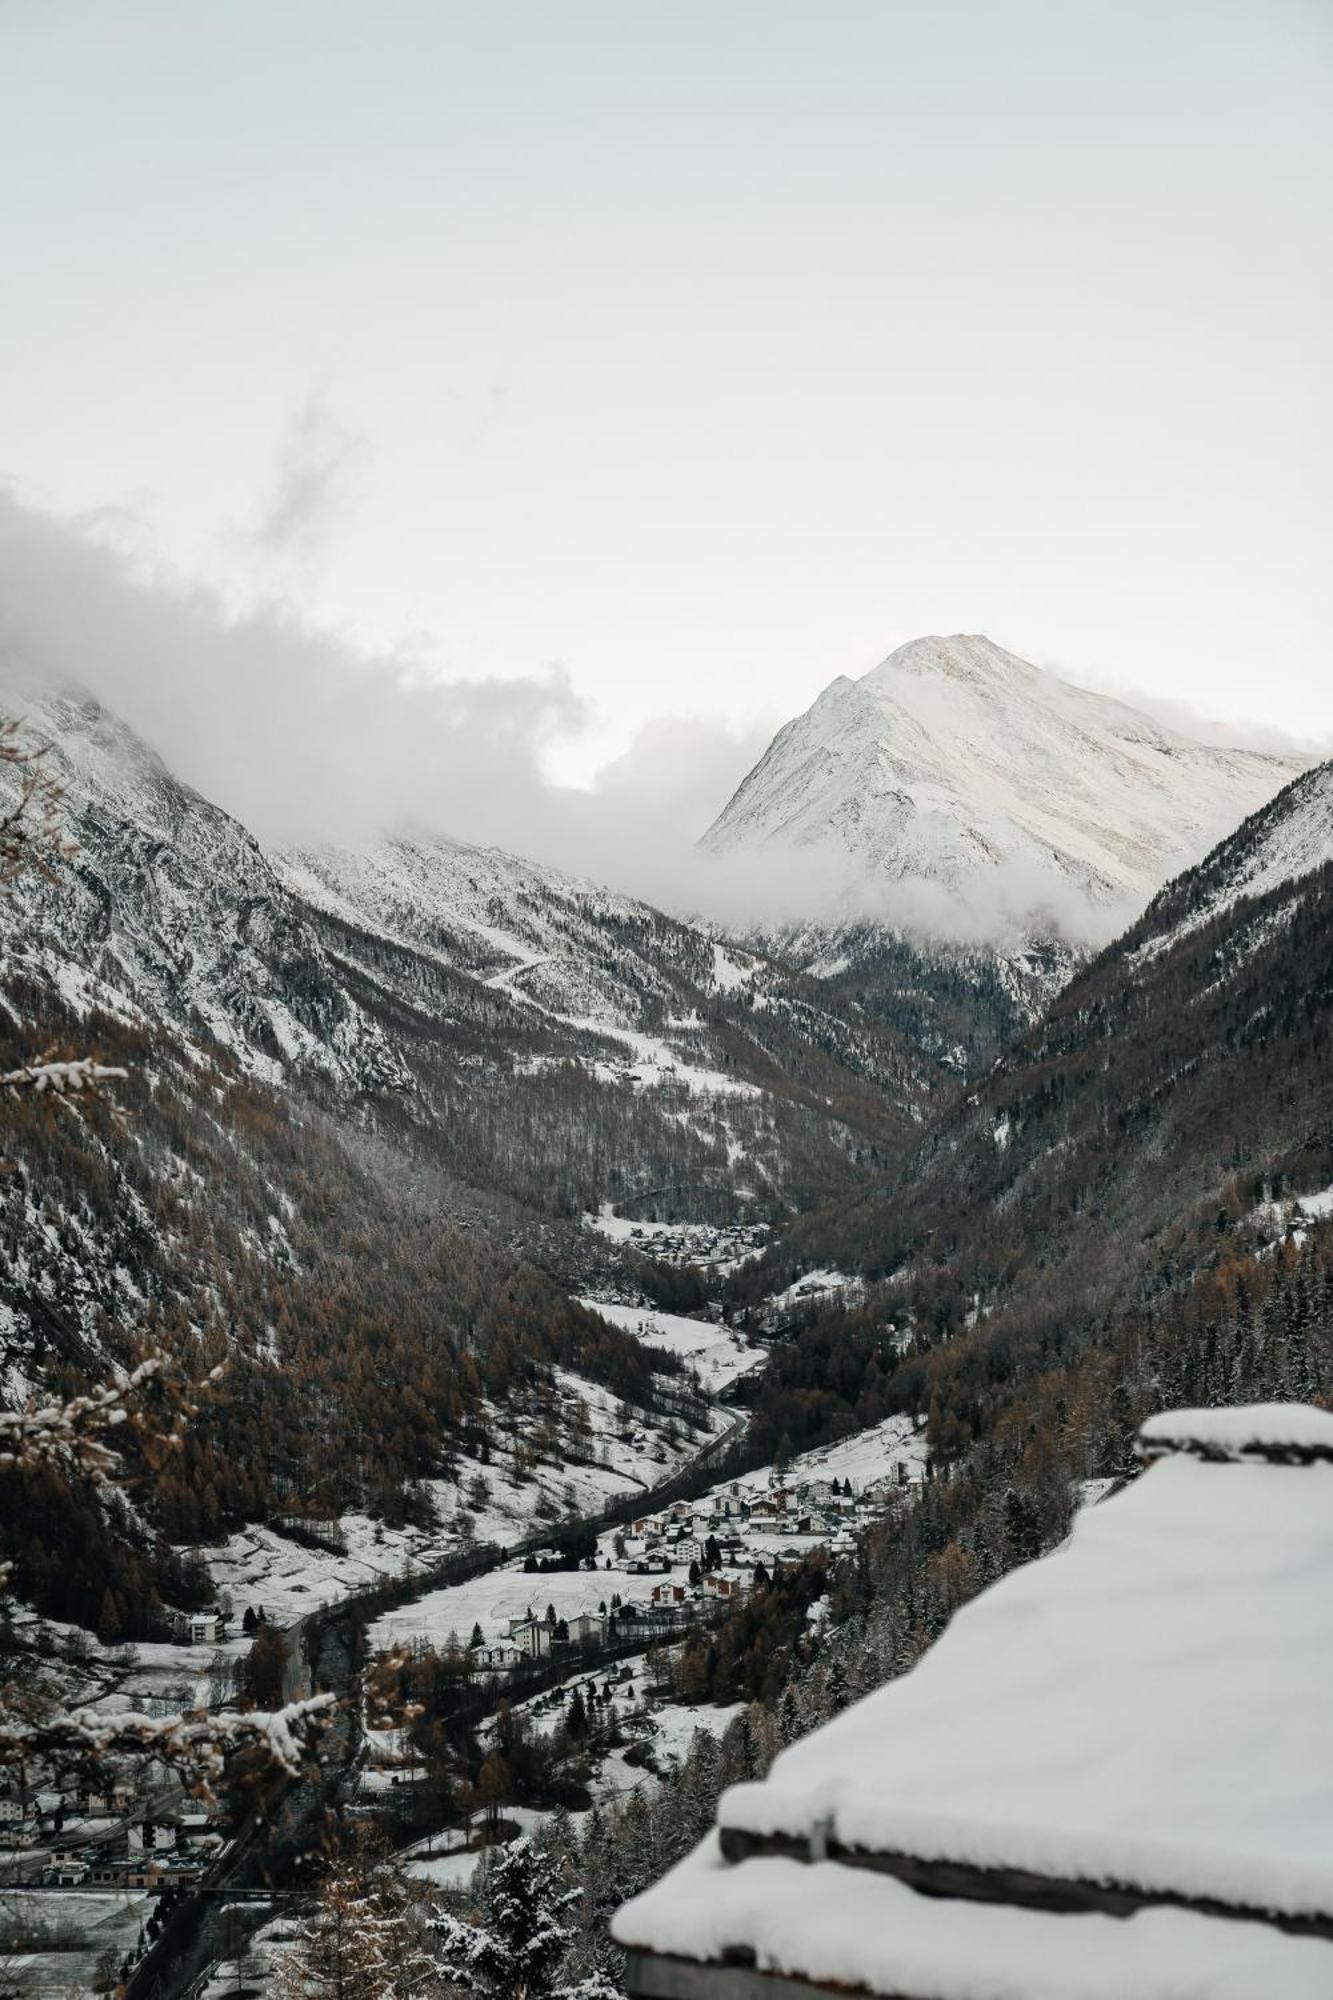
(825, 1925)
(1139, 1721)
(1288, 1433)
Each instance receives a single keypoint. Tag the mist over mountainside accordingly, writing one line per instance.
(385, 1107)
(984, 827)
(1181, 1073)
(956, 764)
(543, 1042)
(415, 1025)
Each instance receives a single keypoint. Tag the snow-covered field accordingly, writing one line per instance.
(717, 1354)
(630, 1453)
(820, 1287)
(867, 1456)
(492, 1600)
(666, 1727)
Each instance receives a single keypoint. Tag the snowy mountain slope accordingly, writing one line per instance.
(547, 984)
(571, 949)
(167, 911)
(1184, 1069)
(580, 962)
(959, 1003)
(1282, 844)
(956, 763)
(540, 1041)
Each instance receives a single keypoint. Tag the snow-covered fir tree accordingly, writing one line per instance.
(513, 1947)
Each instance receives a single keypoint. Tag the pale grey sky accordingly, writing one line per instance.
(707, 349)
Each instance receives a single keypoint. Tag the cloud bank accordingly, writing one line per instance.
(307, 739)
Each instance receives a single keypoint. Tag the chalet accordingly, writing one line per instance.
(669, 1593)
(762, 1512)
(1102, 1780)
(587, 1628)
(206, 1628)
(13, 1809)
(66, 1873)
(501, 1657)
(721, 1587)
(533, 1637)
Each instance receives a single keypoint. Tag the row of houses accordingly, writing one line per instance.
(720, 1529)
(28, 1814)
(149, 1854)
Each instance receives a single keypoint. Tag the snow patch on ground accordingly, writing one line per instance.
(717, 1354)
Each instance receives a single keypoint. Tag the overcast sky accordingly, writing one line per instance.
(704, 350)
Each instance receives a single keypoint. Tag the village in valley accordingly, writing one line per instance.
(591, 1623)
(667, 1564)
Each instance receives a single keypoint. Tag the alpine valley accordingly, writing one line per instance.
(524, 1242)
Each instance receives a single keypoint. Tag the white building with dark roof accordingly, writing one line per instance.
(1112, 1776)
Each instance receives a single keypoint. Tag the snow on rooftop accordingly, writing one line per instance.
(1145, 1711)
(855, 1929)
(1281, 1431)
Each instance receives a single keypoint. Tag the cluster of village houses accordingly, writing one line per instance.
(708, 1550)
(93, 1839)
(85, 1838)
(700, 1244)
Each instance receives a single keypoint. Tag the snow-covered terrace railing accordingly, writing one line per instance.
(1136, 1728)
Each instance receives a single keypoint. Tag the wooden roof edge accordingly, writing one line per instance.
(653, 1975)
(1150, 1450)
(1023, 1889)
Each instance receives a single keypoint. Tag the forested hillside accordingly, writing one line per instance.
(1143, 1136)
(206, 1215)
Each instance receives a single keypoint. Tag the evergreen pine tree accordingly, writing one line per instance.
(514, 1949)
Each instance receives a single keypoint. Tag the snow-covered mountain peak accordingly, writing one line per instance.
(962, 656)
(957, 765)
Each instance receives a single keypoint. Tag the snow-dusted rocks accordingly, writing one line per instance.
(1279, 847)
(956, 764)
(1134, 1732)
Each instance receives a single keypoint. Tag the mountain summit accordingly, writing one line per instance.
(957, 764)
